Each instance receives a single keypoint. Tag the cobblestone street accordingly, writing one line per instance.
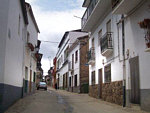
(60, 101)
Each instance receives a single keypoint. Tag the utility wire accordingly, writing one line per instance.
(52, 42)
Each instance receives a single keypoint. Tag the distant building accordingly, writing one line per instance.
(50, 80)
(78, 71)
(39, 70)
(54, 72)
(32, 46)
(62, 72)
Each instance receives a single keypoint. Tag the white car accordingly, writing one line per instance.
(42, 85)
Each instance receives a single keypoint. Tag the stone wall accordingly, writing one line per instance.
(93, 91)
(84, 70)
(113, 92)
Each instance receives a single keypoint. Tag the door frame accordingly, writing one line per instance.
(30, 83)
(135, 80)
(100, 79)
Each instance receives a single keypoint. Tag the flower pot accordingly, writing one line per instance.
(145, 24)
(148, 45)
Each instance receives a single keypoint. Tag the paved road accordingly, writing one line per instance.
(52, 101)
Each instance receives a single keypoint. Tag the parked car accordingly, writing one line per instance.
(42, 85)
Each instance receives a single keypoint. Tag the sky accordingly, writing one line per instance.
(54, 18)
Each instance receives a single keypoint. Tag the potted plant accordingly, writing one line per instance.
(145, 24)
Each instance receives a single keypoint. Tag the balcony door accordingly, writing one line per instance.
(30, 83)
(72, 61)
(100, 82)
(108, 26)
(92, 42)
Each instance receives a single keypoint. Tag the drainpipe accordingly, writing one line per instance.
(124, 65)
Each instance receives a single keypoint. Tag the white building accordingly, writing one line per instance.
(15, 22)
(78, 71)
(118, 61)
(62, 57)
(31, 52)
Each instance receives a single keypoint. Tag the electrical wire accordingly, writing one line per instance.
(51, 42)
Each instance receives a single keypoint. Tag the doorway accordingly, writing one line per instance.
(30, 83)
(100, 82)
(134, 73)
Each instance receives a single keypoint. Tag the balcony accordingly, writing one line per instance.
(30, 45)
(38, 56)
(91, 56)
(70, 66)
(124, 6)
(106, 44)
(95, 10)
(39, 64)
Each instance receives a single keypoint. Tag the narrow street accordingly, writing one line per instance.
(59, 101)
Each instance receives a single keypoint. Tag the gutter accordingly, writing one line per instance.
(124, 65)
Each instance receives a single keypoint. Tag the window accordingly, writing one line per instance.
(93, 78)
(108, 73)
(75, 80)
(66, 53)
(76, 54)
(108, 26)
(34, 77)
(99, 35)
(19, 25)
(28, 37)
(26, 73)
(58, 63)
(61, 59)
(72, 61)
(70, 81)
(93, 43)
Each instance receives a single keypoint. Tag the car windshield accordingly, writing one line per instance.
(42, 83)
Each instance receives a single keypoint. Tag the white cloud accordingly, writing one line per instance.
(52, 25)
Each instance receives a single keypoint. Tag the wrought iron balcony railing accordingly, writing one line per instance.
(88, 11)
(91, 56)
(106, 44)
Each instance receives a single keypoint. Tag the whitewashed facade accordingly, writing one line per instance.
(30, 60)
(120, 65)
(62, 57)
(137, 52)
(14, 26)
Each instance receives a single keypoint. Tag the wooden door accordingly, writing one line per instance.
(72, 83)
(30, 83)
(72, 61)
(66, 80)
(100, 83)
(134, 73)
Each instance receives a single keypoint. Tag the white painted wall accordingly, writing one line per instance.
(13, 56)
(116, 66)
(14, 46)
(30, 60)
(3, 31)
(72, 36)
(135, 42)
(76, 64)
(32, 30)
